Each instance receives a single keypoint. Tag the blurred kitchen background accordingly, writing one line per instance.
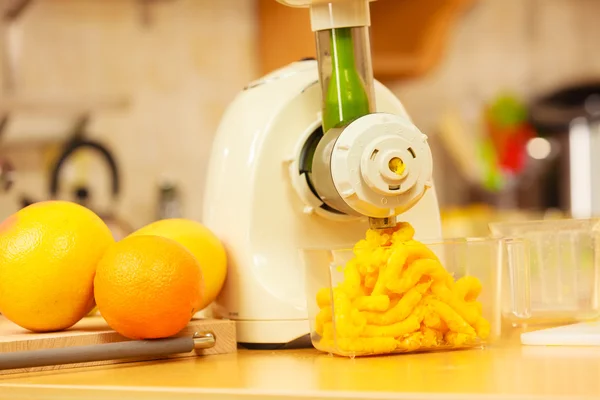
(114, 103)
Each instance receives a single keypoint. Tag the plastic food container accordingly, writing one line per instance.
(555, 274)
(337, 326)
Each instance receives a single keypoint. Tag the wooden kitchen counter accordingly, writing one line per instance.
(502, 372)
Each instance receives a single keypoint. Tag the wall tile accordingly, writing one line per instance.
(180, 73)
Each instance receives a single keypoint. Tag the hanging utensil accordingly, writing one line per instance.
(6, 168)
(6, 175)
(82, 195)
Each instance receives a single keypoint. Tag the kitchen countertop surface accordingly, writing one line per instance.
(507, 371)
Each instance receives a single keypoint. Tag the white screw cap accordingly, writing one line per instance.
(381, 165)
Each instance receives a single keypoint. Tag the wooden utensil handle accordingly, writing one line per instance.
(103, 352)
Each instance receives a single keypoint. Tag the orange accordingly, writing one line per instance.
(148, 287)
(202, 243)
(48, 257)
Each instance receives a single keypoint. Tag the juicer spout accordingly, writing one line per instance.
(382, 223)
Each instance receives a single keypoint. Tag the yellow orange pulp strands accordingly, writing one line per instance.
(397, 297)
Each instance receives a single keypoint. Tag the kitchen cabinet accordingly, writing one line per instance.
(408, 37)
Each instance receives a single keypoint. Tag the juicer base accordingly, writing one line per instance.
(272, 334)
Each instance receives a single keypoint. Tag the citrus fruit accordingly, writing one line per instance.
(202, 243)
(48, 256)
(148, 287)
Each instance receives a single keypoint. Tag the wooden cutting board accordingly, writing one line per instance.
(94, 330)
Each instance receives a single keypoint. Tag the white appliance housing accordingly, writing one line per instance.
(258, 202)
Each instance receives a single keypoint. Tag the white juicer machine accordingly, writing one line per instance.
(311, 155)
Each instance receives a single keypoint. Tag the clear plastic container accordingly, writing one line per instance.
(555, 274)
(336, 330)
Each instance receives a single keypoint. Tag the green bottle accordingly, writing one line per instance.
(346, 98)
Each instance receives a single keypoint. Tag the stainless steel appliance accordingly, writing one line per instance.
(571, 116)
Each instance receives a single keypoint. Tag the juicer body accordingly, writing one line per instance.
(261, 206)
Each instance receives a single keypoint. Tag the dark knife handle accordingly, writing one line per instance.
(103, 352)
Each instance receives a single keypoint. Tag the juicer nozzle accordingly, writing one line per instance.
(382, 223)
